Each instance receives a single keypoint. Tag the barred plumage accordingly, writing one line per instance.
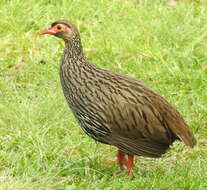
(116, 109)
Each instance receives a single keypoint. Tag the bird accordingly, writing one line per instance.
(114, 108)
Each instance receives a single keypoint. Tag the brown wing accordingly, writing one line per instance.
(136, 129)
(146, 129)
(149, 107)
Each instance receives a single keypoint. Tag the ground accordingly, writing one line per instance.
(41, 145)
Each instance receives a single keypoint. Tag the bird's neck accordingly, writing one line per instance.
(73, 50)
(73, 61)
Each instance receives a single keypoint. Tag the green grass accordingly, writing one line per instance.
(41, 145)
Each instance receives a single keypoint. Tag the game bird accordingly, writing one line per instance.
(116, 109)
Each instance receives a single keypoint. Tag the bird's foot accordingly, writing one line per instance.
(125, 164)
(121, 160)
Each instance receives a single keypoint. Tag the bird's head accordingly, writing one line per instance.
(62, 29)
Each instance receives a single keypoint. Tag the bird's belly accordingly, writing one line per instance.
(90, 122)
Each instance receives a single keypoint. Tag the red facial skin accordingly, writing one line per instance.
(54, 29)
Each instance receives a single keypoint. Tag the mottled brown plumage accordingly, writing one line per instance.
(116, 109)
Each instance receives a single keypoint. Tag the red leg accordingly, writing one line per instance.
(121, 159)
(130, 164)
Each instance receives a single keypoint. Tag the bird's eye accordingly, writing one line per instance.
(59, 27)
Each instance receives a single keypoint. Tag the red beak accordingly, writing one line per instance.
(48, 31)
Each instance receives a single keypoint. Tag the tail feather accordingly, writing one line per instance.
(182, 131)
(187, 138)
